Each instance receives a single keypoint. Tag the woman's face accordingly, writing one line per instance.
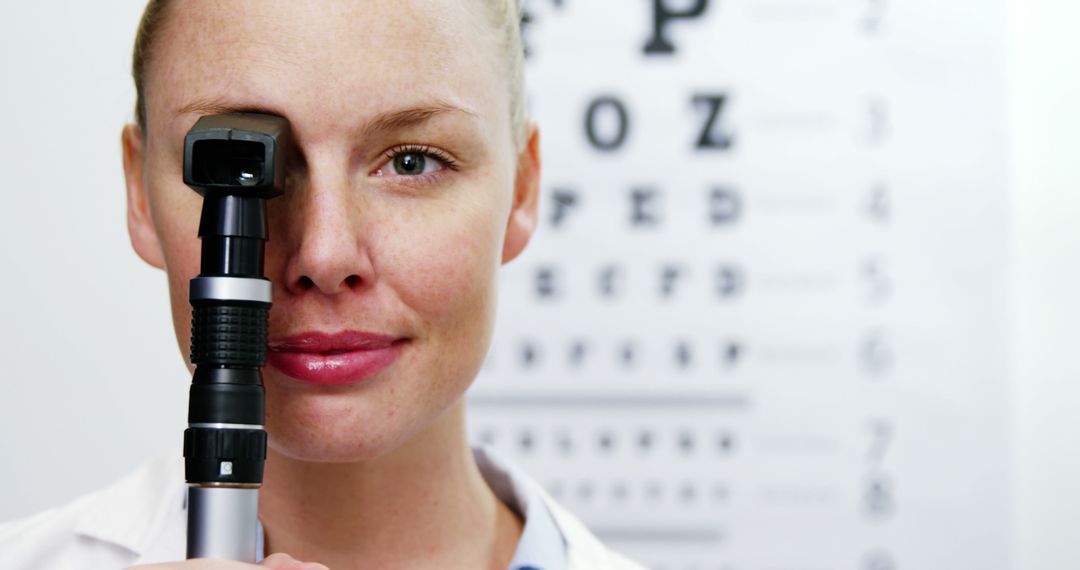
(406, 192)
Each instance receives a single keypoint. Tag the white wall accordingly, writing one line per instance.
(92, 382)
(85, 333)
(1046, 151)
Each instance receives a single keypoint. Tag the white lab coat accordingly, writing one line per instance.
(141, 520)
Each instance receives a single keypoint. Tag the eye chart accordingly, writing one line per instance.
(764, 322)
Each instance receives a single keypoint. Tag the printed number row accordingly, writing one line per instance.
(684, 442)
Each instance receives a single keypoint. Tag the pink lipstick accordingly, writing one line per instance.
(333, 359)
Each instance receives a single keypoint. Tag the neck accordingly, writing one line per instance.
(423, 505)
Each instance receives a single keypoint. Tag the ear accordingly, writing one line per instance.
(523, 212)
(140, 225)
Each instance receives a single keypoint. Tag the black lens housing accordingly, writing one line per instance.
(235, 161)
(238, 154)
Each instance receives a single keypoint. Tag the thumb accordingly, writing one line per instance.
(282, 561)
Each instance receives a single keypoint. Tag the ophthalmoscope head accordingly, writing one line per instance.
(238, 154)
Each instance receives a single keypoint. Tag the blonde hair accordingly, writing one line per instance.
(505, 17)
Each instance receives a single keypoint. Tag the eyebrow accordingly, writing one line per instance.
(409, 117)
(388, 121)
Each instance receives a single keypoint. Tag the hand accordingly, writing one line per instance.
(276, 561)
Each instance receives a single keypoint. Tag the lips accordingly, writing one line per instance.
(333, 359)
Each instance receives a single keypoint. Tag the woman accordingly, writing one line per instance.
(414, 177)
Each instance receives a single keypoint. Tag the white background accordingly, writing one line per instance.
(93, 382)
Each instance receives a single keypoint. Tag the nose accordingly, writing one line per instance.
(321, 225)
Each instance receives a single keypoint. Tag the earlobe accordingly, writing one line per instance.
(140, 224)
(523, 212)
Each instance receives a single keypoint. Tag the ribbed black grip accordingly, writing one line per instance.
(206, 448)
(230, 335)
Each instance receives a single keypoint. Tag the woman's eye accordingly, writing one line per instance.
(415, 161)
(414, 164)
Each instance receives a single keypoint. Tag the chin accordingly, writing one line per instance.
(333, 427)
(348, 424)
(301, 447)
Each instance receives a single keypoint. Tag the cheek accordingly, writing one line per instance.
(443, 265)
(176, 210)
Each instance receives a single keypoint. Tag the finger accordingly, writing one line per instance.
(279, 561)
(282, 561)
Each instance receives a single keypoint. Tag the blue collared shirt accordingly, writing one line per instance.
(542, 545)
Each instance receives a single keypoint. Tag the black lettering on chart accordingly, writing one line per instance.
(663, 14)
(710, 136)
(607, 123)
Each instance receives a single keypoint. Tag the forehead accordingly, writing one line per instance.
(327, 60)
